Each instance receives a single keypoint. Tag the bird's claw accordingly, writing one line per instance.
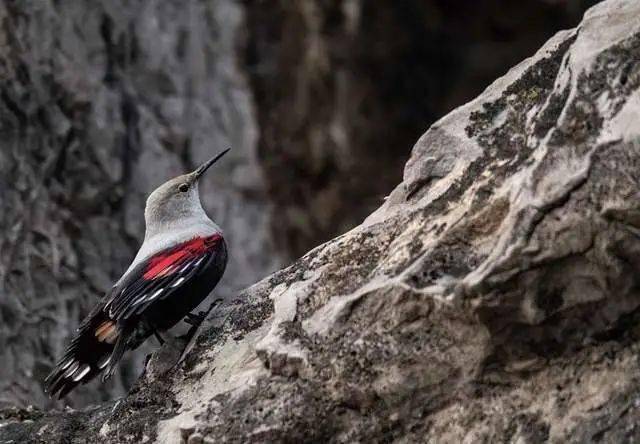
(195, 319)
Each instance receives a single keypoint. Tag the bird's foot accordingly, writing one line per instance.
(159, 337)
(196, 319)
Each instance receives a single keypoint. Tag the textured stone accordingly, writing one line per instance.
(102, 100)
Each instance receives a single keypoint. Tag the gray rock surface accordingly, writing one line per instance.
(100, 102)
(492, 298)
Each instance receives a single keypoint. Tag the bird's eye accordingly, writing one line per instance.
(184, 187)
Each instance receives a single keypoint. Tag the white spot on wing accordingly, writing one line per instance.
(199, 260)
(178, 282)
(156, 294)
(81, 372)
(104, 362)
(183, 269)
(139, 300)
(72, 369)
(66, 364)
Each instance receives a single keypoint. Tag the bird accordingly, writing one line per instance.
(182, 258)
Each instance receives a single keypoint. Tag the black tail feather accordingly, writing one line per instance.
(85, 358)
(77, 369)
(116, 354)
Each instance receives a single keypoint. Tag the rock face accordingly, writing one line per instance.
(492, 298)
(100, 101)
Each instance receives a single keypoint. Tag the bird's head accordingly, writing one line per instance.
(176, 200)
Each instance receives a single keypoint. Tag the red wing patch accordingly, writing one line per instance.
(166, 263)
(161, 275)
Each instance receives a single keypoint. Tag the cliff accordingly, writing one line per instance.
(103, 100)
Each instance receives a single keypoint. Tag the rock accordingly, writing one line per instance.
(102, 101)
(196, 438)
(493, 297)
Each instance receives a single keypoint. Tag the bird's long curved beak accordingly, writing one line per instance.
(205, 166)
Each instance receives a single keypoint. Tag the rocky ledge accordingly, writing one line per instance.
(492, 298)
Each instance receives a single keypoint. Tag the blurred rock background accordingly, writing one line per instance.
(321, 100)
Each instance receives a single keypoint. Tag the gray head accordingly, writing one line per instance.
(176, 203)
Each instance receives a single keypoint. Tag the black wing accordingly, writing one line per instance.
(103, 336)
